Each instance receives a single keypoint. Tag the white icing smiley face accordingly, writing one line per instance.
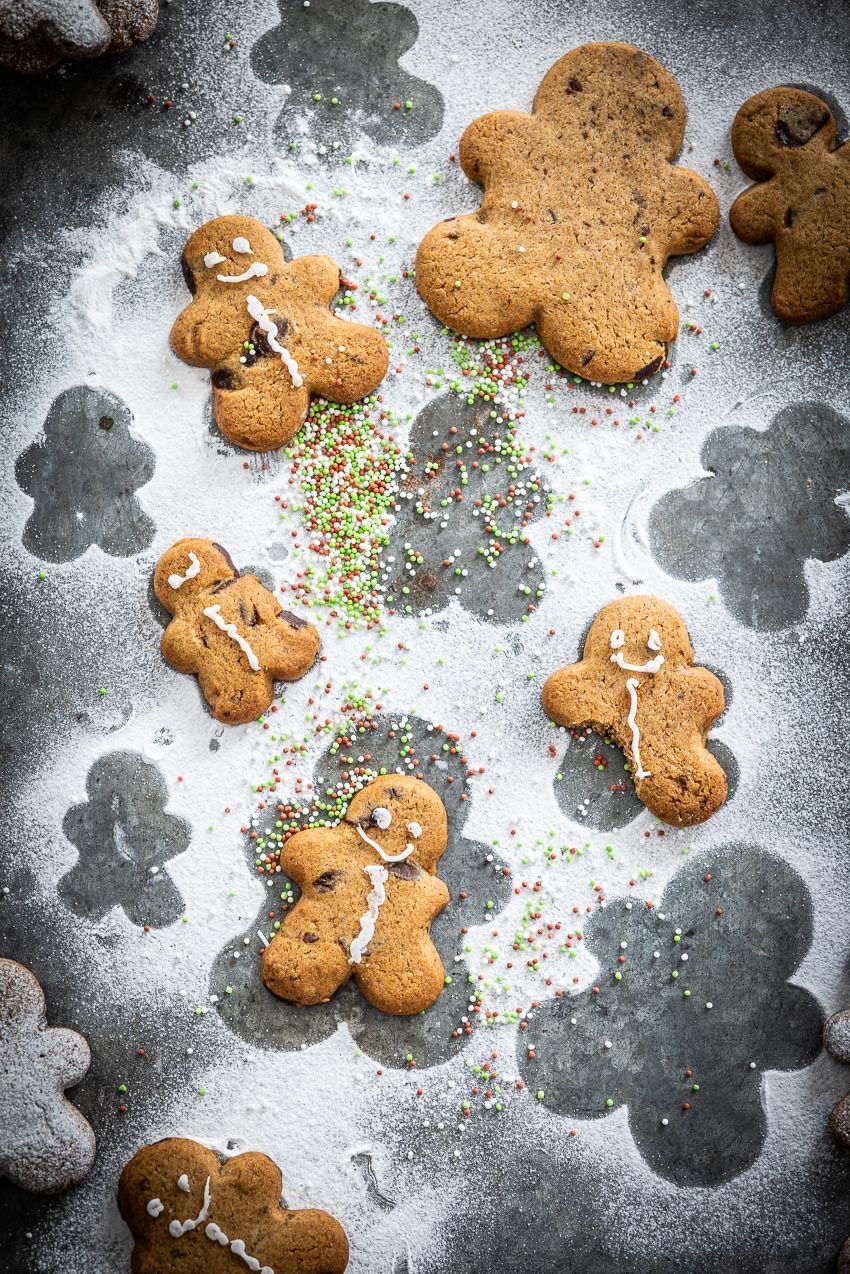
(653, 642)
(241, 246)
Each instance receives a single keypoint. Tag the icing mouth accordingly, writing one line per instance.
(388, 858)
(255, 271)
(651, 665)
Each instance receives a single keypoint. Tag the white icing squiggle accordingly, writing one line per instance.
(651, 666)
(216, 1235)
(255, 271)
(632, 685)
(156, 1207)
(237, 1247)
(388, 858)
(183, 1183)
(260, 315)
(178, 1228)
(375, 898)
(212, 259)
(618, 638)
(193, 569)
(241, 244)
(214, 613)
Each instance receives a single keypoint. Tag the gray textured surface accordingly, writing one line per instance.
(64, 142)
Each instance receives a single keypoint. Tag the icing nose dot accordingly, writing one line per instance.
(618, 639)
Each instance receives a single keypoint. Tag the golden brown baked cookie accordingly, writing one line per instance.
(582, 207)
(229, 630)
(264, 328)
(636, 683)
(368, 895)
(194, 1212)
(786, 140)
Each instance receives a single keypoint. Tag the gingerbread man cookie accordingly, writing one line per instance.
(264, 328)
(636, 683)
(229, 630)
(47, 1145)
(582, 208)
(368, 895)
(194, 1212)
(786, 140)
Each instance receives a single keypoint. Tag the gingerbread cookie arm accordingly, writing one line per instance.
(492, 144)
(753, 215)
(571, 697)
(350, 361)
(286, 645)
(320, 275)
(690, 214)
(181, 646)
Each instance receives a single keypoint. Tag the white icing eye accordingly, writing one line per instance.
(183, 1183)
(653, 641)
(381, 818)
(415, 830)
(213, 258)
(618, 639)
(241, 244)
(156, 1207)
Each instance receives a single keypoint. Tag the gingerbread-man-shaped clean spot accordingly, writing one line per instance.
(786, 140)
(192, 1211)
(229, 630)
(368, 895)
(582, 207)
(264, 328)
(636, 683)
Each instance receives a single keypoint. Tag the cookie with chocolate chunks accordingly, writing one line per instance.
(786, 140)
(369, 892)
(583, 205)
(228, 630)
(264, 328)
(636, 683)
(193, 1211)
(47, 1145)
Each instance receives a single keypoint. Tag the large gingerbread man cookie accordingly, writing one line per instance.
(636, 683)
(582, 207)
(264, 328)
(193, 1212)
(46, 1145)
(229, 630)
(786, 140)
(368, 895)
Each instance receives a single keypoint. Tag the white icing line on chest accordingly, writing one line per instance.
(255, 271)
(375, 899)
(193, 569)
(213, 1232)
(632, 685)
(261, 315)
(214, 613)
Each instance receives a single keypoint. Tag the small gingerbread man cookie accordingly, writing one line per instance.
(368, 895)
(786, 140)
(264, 328)
(192, 1211)
(228, 630)
(583, 205)
(637, 684)
(47, 1145)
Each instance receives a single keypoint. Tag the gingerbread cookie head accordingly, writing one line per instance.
(264, 328)
(229, 630)
(637, 683)
(193, 1212)
(786, 140)
(582, 208)
(368, 895)
(47, 1145)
